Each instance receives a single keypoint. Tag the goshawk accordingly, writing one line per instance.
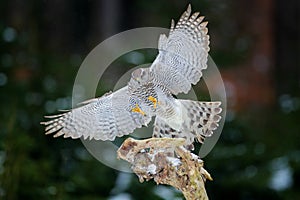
(150, 92)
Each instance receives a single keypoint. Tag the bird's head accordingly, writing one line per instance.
(141, 75)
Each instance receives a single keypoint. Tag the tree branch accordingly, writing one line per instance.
(167, 162)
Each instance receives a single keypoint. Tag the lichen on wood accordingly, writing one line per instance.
(167, 162)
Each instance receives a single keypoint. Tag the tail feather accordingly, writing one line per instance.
(201, 118)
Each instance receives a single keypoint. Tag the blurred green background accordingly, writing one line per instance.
(254, 43)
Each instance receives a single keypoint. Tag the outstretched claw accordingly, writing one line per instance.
(154, 100)
(137, 109)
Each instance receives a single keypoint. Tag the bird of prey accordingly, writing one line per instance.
(150, 93)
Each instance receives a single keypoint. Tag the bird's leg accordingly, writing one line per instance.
(154, 101)
(137, 109)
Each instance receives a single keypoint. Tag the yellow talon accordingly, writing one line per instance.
(154, 100)
(137, 109)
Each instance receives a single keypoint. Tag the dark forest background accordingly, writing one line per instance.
(254, 43)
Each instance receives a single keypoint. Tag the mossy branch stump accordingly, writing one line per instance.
(167, 162)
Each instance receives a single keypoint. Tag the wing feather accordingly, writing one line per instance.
(183, 54)
(101, 118)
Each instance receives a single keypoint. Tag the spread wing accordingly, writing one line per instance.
(183, 55)
(101, 118)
